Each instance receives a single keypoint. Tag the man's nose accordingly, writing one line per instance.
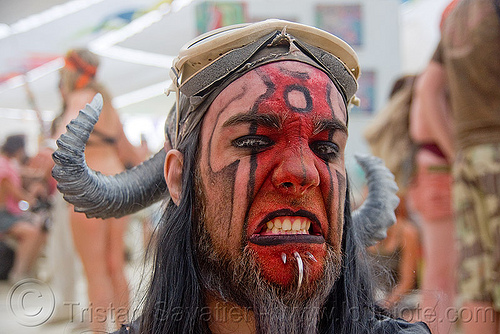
(296, 173)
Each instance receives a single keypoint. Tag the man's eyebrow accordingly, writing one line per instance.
(329, 124)
(266, 120)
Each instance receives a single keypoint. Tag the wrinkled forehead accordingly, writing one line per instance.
(287, 88)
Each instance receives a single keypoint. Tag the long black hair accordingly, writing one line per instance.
(173, 301)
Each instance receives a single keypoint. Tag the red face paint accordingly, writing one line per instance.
(272, 168)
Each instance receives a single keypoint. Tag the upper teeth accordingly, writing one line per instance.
(288, 225)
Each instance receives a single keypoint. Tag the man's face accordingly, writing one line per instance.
(272, 169)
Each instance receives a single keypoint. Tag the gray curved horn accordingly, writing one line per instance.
(95, 194)
(376, 214)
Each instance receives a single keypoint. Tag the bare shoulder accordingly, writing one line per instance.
(410, 231)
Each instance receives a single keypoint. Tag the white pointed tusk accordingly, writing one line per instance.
(310, 256)
(300, 266)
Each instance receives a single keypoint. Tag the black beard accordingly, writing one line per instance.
(277, 309)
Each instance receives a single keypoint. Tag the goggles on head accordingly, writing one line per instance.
(213, 60)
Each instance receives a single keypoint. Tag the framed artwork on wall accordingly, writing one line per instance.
(366, 93)
(344, 21)
(211, 15)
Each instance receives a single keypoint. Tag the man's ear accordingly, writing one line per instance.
(173, 174)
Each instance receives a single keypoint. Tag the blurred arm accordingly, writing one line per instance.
(430, 100)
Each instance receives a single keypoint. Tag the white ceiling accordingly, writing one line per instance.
(138, 58)
(13, 11)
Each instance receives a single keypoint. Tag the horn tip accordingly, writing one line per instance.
(97, 101)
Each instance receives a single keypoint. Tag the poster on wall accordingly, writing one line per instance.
(211, 15)
(344, 21)
(366, 93)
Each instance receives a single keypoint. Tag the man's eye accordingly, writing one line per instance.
(326, 150)
(252, 142)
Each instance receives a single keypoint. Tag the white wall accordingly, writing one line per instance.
(419, 32)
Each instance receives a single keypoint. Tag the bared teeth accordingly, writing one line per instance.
(287, 225)
(292, 225)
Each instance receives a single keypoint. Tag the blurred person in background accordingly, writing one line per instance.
(13, 221)
(99, 244)
(398, 255)
(431, 129)
(466, 65)
(59, 249)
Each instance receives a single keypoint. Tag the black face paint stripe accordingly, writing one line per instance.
(329, 98)
(329, 200)
(271, 88)
(226, 176)
(342, 183)
(253, 168)
(307, 96)
(295, 74)
(329, 88)
(340, 179)
(330, 104)
(228, 173)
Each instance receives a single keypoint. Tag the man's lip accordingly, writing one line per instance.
(315, 224)
(273, 240)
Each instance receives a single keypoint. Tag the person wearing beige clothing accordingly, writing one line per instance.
(100, 246)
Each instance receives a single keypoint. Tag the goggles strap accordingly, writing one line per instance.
(174, 75)
(203, 81)
(222, 67)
